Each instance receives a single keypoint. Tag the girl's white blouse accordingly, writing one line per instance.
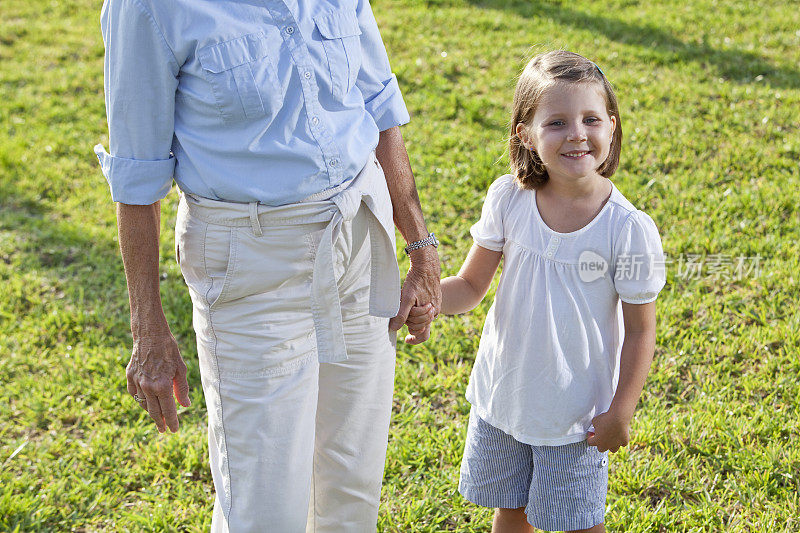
(548, 360)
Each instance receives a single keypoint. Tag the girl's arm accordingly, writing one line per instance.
(612, 428)
(463, 292)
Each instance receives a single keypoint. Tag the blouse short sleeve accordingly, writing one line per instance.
(489, 232)
(639, 273)
(140, 82)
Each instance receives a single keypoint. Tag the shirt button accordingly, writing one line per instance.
(549, 253)
(314, 120)
(290, 30)
(307, 74)
(334, 162)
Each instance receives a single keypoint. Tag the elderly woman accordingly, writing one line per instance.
(278, 120)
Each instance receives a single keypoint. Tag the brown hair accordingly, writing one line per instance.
(540, 73)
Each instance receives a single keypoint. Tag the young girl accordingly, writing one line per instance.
(554, 386)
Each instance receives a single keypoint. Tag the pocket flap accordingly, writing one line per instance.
(229, 54)
(342, 23)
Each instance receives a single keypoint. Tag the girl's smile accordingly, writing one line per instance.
(576, 155)
(571, 130)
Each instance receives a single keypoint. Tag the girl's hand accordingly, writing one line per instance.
(420, 318)
(611, 431)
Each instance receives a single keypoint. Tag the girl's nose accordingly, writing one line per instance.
(576, 134)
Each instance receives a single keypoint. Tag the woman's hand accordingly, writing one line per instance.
(611, 431)
(155, 372)
(420, 287)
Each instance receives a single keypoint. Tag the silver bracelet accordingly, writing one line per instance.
(430, 240)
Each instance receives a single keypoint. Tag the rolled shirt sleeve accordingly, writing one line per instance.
(382, 97)
(140, 82)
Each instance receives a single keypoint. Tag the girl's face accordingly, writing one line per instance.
(571, 130)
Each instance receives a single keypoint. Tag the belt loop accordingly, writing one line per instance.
(256, 224)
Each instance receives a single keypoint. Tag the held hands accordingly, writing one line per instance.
(420, 288)
(419, 320)
(611, 431)
(155, 372)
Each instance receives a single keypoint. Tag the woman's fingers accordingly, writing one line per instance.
(130, 378)
(169, 412)
(154, 407)
(180, 387)
(158, 374)
(406, 304)
(166, 415)
(140, 398)
(161, 407)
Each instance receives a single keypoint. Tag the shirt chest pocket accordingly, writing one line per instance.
(340, 38)
(242, 77)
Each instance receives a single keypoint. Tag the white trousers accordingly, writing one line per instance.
(295, 445)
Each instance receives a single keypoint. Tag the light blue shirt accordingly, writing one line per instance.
(243, 101)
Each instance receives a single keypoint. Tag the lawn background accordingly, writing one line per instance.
(709, 95)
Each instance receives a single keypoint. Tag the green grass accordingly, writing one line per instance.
(710, 99)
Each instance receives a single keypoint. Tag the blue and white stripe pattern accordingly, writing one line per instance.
(561, 487)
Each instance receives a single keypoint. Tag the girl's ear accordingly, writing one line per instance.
(522, 133)
(613, 126)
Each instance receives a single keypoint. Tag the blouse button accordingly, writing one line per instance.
(334, 162)
(307, 74)
(290, 30)
(314, 120)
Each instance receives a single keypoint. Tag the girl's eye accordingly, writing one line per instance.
(557, 123)
(592, 120)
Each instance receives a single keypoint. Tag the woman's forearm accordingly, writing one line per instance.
(139, 227)
(408, 217)
(156, 370)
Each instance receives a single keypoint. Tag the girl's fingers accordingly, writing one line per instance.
(419, 310)
(419, 322)
(420, 315)
(418, 337)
